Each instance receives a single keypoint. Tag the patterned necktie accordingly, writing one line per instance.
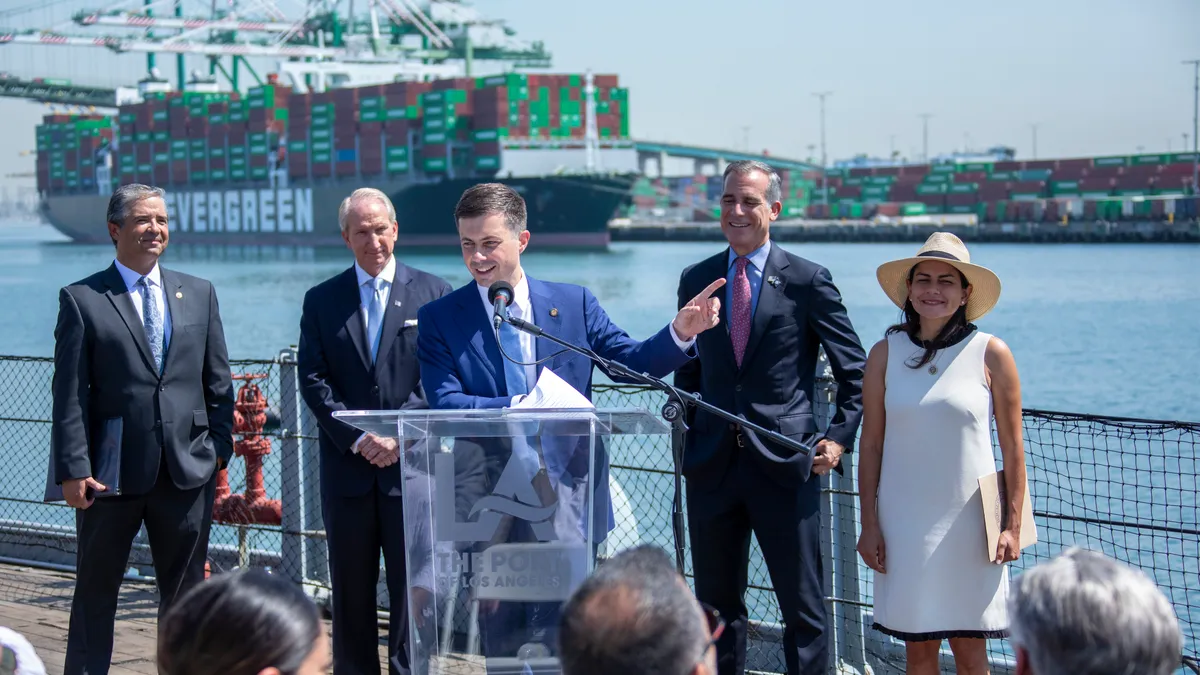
(375, 315)
(510, 340)
(739, 326)
(152, 322)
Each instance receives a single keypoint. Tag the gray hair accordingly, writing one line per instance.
(634, 616)
(487, 199)
(745, 167)
(124, 197)
(1086, 613)
(362, 195)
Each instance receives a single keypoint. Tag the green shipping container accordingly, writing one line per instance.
(1139, 160)
(435, 164)
(485, 135)
(237, 162)
(143, 137)
(435, 137)
(411, 112)
(323, 157)
(218, 174)
(1110, 161)
(179, 155)
(322, 146)
(942, 168)
(375, 115)
(976, 166)
(397, 166)
(258, 149)
(162, 157)
(1002, 176)
(370, 103)
(487, 162)
(926, 189)
(1064, 186)
(297, 146)
(258, 173)
(970, 208)
(937, 178)
(964, 188)
(320, 134)
(396, 153)
(237, 174)
(216, 152)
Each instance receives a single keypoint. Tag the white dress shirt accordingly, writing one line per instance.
(157, 296)
(522, 309)
(519, 309)
(387, 275)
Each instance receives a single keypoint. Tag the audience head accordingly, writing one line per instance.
(243, 623)
(635, 615)
(1083, 612)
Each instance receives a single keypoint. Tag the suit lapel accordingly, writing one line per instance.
(354, 324)
(176, 304)
(716, 268)
(768, 299)
(122, 301)
(539, 296)
(477, 325)
(393, 314)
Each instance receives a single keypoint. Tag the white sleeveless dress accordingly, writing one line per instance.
(940, 582)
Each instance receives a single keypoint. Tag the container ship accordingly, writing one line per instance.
(273, 166)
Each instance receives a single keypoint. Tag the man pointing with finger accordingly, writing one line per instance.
(358, 339)
(780, 309)
(466, 363)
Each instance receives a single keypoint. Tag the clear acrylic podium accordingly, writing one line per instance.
(504, 510)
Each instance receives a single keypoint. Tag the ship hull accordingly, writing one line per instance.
(563, 212)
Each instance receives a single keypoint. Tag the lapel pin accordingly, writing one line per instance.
(773, 280)
(178, 294)
(553, 311)
(398, 303)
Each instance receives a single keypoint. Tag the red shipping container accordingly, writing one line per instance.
(298, 169)
(605, 81)
(890, 209)
(962, 199)
(1179, 169)
(993, 191)
(1006, 166)
(859, 172)
(902, 193)
(371, 165)
(1029, 186)
(322, 170)
(1133, 182)
(1040, 164)
(887, 171)
(217, 162)
(1088, 184)
(1072, 166)
(849, 192)
(347, 168)
(490, 148)
(1104, 171)
(433, 150)
(971, 177)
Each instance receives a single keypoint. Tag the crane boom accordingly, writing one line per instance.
(143, 21)
(122, 45)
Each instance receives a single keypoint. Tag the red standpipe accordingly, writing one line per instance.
(249, 418)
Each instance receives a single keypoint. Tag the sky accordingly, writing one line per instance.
(1096, 76)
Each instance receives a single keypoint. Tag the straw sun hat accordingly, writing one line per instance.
(949, 249)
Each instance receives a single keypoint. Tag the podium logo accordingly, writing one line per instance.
(514, 496)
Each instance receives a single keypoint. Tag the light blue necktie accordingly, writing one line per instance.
(374, 315)
(514, 374)
(152, 322)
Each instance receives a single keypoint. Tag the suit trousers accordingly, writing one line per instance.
(177, 525)
(786, 521)
(358, 528)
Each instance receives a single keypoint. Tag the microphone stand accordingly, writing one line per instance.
(674, 412)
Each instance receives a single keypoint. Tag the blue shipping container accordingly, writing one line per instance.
(347, 155)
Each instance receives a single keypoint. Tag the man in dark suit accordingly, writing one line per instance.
(779, 309)
(358, 342)
(462, 367)
(139, 364)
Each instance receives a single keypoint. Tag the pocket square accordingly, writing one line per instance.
(410, 322)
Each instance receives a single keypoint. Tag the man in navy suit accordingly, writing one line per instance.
(779, 309)
(461, 363)
(358, 339)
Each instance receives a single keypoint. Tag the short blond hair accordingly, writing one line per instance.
(361, 195)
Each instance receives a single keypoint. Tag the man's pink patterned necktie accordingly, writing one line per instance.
(739, 327)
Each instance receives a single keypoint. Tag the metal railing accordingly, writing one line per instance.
(1122, 486)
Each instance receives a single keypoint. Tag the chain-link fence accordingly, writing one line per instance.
(1124, 487)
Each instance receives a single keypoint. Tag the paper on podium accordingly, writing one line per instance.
(553, 392)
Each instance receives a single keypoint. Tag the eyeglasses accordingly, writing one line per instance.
(716, 624)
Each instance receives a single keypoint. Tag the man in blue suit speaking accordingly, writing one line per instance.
(459, 352)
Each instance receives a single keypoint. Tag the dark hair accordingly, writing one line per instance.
(951, 333)
(237, 624)
(124, 197)
(487, 199)
(745, 167)
(633, 616)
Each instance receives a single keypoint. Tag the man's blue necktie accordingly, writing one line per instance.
(514, 374)
(374, 315)
(152, 322)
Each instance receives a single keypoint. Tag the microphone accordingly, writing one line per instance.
(501, 295)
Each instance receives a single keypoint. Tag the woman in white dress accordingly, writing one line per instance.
(931, 390)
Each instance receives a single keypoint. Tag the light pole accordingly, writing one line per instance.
(1195, 129)
(824, 163)
(925, 136)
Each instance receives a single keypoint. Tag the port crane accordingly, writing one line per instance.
(395, 40)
